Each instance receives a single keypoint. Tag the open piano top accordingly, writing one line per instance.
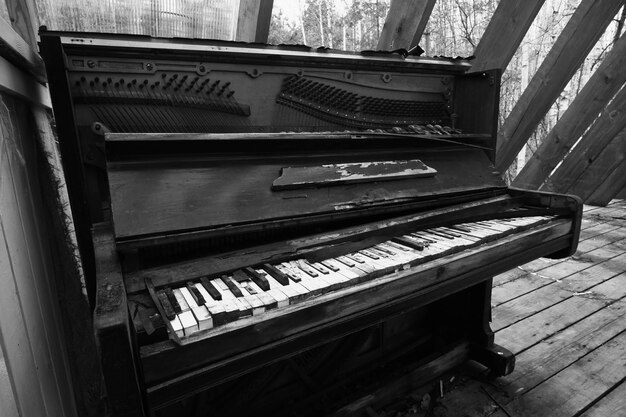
(250, 203)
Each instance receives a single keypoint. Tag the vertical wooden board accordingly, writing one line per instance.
(18, 355)
(254, 20)
(504, 33)
(404, 24)
(38, 239)
(25, 250)
(8, 405)
(21, 20)
(569, 50)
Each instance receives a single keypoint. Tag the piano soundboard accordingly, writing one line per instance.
(269, 229)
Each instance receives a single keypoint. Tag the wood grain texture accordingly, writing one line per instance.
(254, 20)
(111, 325)
(505, 32)
(16, 82)
(580, 34)
(23, 20)
(160, 197)
(609, 127)
(613, 183)
(613, 404)
(17, 51)
(594, 180)
(31, 328)
(592, 374)
(404, 24)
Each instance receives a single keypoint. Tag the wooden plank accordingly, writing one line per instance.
(609, 127)
(613, 404)
(405, 24)
(111, 325)
(592, 375)
(17, 51)
(556, 284)
(23, 18)
(570, 49)
(541, 361)
(16, 82)
(597, 171)
(254, 20)
(605, 82)
(505, 32)
(610, 187)
(523, 334)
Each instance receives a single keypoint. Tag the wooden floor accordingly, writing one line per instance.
(565, 320)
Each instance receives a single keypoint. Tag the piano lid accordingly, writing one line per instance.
(175, 184)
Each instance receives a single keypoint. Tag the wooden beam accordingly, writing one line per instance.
(22, 19)
(580, 34)
(606, 176)
(601, 87)
(253, 24)
(16, 82)
(505, 32)
(17, 51)
(405, 23)
(603, 131)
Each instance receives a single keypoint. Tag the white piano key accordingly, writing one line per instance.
(275, 292)
(335, 280)
(311, 284)
(215, 307)
(188, 321)
(303, 291)
(200, 312)
(258, 307)
(319, 277)
(231, 307)
(268, 301)
(292, 293)
(352, 275)
(242, 304)
(177, 326)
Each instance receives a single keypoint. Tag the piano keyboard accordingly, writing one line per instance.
(208, 302)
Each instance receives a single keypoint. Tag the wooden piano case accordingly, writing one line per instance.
(194, 159)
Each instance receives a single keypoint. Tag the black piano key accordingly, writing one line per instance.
(213, 292)
(195, 294)
(409, 242)
(257, 278)
(172, 299)
(330, 266)
(165, 303)
(278, 275)
(232, 286)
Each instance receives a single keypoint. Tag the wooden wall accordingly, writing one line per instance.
(42, 298)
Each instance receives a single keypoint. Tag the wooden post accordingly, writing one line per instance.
(580, 34)
(253, 24)
(604, 130)
(601, 87)
(504, 33)
(405, 23)
(606, 176)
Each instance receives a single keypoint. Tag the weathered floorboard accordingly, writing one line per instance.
(613, 404)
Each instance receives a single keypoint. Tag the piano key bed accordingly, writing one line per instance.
(198, 307)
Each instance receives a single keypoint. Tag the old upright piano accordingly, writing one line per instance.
(275, 228)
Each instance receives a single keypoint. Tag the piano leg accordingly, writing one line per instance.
(483, 349)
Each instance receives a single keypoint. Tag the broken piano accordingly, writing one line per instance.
(276, 229)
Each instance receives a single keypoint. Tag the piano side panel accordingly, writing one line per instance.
(112, 329)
